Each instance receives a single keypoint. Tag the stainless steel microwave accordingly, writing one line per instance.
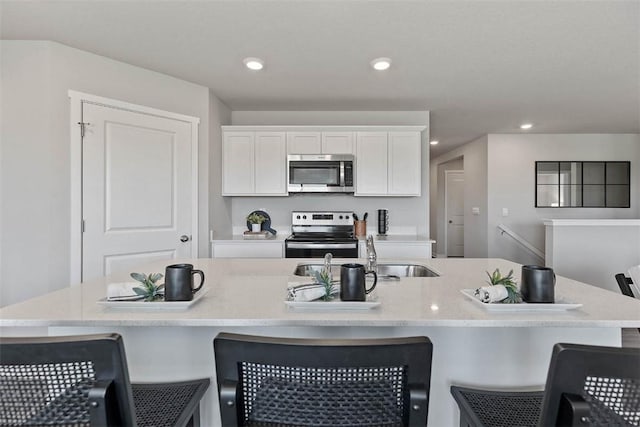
(320, 173)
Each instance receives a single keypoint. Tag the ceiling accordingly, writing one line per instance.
(479, 66)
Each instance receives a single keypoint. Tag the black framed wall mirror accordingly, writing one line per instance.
(583, 184)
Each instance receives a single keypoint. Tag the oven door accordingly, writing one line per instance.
(295, 249)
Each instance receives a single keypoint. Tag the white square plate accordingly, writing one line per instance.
(559, 305)
(153, 305)
(335, 304)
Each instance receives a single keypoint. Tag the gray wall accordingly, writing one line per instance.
(474, 159)
(403, 211)
(511, 182)
(35, 168)
(455, 164)
(219, 207)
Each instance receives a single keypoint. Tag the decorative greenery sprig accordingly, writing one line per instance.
(324, 278)
(507, 281)
(256, 218)
(149, 289)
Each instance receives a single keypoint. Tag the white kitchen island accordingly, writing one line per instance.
(472, 346)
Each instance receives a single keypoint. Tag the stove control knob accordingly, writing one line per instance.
(298, 217)
(340, 216)
(346, 217)
(304, 217)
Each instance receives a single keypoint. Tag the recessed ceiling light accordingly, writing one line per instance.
(381, 64)
(434, 142)
(254, 63)
(526, 126)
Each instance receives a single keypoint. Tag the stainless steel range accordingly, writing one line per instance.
(315, 234)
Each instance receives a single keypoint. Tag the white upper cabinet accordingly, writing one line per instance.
(271, 164)
(338, 143)
(404, 168)
(387, 158)
(304, 142)
(238, 163)
(320, 143)
(254, 164)
(388, 163)
(371, 164)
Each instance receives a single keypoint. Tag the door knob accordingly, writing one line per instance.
(185, 238)
(450, 222)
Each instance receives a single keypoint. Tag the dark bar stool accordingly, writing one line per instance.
(586, 385)
(84, 380)
(314, 382)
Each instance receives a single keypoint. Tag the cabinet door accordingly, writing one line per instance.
(247, 250)
(237, 163)
(304, 143)
(404, 164)
(371, 163)
(337, 143)
(270, 163)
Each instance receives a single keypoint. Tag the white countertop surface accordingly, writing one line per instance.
(251, 292)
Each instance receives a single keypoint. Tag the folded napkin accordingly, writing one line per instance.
(123, 291)
(309, 291)
(491, 294)
(634, 273)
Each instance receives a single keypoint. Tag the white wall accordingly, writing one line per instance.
(499, 173)
(474, 160)
(404, 212)
(36, 76)
(511, 184)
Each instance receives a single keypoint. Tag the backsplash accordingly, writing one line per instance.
(407, 215)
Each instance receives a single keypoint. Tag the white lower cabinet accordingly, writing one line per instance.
(254, 164)
(247, 249)
(398, 249)
(388, 164)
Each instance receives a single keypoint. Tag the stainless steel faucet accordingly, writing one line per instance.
(327, 263)
(372, 258)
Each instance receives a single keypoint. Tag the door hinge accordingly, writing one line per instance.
(82, 127)
(82, 226)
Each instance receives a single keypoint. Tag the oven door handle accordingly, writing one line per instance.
(293, 245)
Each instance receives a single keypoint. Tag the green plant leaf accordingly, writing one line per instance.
(139, 277)
(154, 277)
(140, 291)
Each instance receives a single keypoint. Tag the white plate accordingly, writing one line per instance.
(559, 305)
(155, 305)
(335, 304)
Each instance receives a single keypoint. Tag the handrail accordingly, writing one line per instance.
(522, 241)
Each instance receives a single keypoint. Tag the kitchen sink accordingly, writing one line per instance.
(385, 271)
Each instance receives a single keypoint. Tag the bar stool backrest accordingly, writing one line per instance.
(598, 384)
(323, 382)
(74, 380)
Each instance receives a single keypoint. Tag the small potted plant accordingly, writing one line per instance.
(149, 290)
(256, 220)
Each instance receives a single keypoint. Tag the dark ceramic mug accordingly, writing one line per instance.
(537, 284)
(178, 282)
(352, 282)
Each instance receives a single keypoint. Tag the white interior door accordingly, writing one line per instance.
(137, 192)
(454, 212)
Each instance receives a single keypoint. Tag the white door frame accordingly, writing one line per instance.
(77, 99)
(446, 214)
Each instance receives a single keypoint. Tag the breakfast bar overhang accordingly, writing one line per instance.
(472, 345)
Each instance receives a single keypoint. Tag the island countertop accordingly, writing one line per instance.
(251, 292)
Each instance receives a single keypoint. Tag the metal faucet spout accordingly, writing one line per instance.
(372, 258)
(327, 263)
